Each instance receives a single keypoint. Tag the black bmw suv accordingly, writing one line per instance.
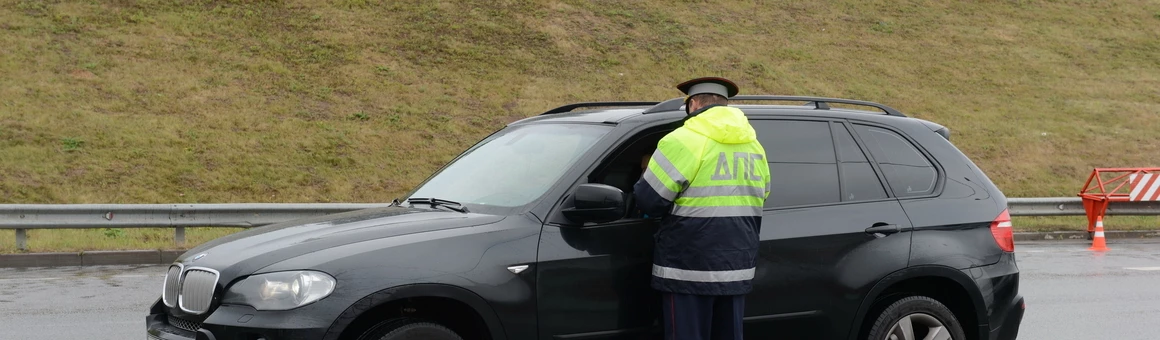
(877, 228)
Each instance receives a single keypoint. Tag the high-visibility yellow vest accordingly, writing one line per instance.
(708, 180)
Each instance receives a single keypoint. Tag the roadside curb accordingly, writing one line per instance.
(89, 258)
(124, 257)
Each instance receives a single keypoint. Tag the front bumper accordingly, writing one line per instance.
(230, 322)
(158, 328)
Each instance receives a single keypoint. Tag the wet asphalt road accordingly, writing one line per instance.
(100, 302)
(1071, 293)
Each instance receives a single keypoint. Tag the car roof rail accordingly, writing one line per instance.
(823, 103)
(819, 103)
(573, 106)
(668, 105)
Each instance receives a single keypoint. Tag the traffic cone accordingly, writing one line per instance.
(1098, 242)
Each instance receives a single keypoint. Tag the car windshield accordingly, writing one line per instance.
(514, 166)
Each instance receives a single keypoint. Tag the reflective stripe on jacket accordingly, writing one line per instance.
(708, 181)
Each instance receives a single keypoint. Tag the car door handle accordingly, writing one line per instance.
(883, 228)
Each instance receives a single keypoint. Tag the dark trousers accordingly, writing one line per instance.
(702, 317)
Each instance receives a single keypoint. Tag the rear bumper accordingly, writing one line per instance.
(999, 283)
(1009, 330)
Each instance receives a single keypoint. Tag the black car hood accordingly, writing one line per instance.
(245, 252)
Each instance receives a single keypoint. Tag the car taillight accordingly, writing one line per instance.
(1001, 229)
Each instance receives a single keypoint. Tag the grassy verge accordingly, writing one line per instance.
(358, 100)
(1079, 223)
(76, 240)
(219, 101)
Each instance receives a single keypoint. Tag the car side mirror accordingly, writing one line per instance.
(597, 203)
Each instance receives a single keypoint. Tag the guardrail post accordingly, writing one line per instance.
(21, 240)
(179, 236)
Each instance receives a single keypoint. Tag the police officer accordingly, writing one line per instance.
(707, 181)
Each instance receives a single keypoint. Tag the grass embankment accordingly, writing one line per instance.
(357, 100)
(1079, 223)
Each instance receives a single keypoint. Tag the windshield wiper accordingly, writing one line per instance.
(435, 202)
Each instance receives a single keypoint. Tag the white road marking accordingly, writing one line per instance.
(32, 279)
(137, 275)
(89, 277)
(1142, 268)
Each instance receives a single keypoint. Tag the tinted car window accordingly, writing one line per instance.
(848, 151)
(810, 141)
(907, 170)
(802, 165)
(859, 181)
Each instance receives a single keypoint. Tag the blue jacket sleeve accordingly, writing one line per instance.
(669, 171)
(650, 203)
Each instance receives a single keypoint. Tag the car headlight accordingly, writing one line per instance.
(281, 290)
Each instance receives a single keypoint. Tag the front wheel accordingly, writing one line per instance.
(917, 318)
(409, 329)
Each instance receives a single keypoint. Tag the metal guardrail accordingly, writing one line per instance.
(22, 217)
(1073, 206)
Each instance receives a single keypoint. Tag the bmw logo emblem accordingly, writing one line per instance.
(198, 257)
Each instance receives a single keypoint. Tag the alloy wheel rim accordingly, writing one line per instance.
(918, 326)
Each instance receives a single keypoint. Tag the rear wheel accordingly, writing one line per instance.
(917, 318)
(409, 329)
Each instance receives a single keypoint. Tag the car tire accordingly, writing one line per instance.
(915, 318)
(409, 329)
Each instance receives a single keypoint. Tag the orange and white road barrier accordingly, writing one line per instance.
(1107, 185)
(1145, 187)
